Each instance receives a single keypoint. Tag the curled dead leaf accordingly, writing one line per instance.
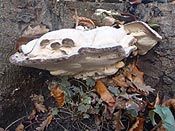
(83, 21)
(104, 93)
(38, 102)
(120, 81)
(59, 95)
(170, 103)
(20, 127)
(138, 125)
(40, 107)
(45, 123)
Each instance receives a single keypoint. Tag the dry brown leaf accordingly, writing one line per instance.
(120, 81)
(104, 93)
(138, 125)
(144, 89)
(157, 100)
(38, 102)
(45, 123)
(40, 107)
(36, 30)
(37, 98)
(137, 76)
(20, 127)
(83, 21)
(170, 103)
(59, 95)
(31, 33)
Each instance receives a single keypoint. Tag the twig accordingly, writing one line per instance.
(14, 122)
(156, 126)
(61, 126)
(86, 126)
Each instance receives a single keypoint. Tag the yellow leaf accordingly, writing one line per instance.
(104, 93)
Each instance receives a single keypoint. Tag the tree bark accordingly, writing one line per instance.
(18, 83)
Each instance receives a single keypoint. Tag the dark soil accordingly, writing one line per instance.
(17, 84)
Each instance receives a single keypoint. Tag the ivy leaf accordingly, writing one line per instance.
(166, 116)
(83, 108)
(86, 116)
(114, 90)
(87, 100)
(133, 110)
(151, 116)
(54, 111)
(90, 82)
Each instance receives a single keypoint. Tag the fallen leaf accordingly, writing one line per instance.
(138, 125)
(146, 89)
(36, 30)
(38, 102)
(37, 98)
(20, 127)
(104, 93)
(83, 21)
(120, 81)
(59, 95)
(157, 101)
(30, 33)
(45, 123)
(137, 76)
(170, 103)
(40, 107)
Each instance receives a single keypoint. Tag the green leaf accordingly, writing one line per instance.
(114, 90)
(83, 108)
(151, 116)
(133, 110)
(90, 82)
(86, 116)
(168, 127)
(87, 100)
(54, 111)
(166, 117)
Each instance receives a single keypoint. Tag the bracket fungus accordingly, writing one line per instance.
(82, 53)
